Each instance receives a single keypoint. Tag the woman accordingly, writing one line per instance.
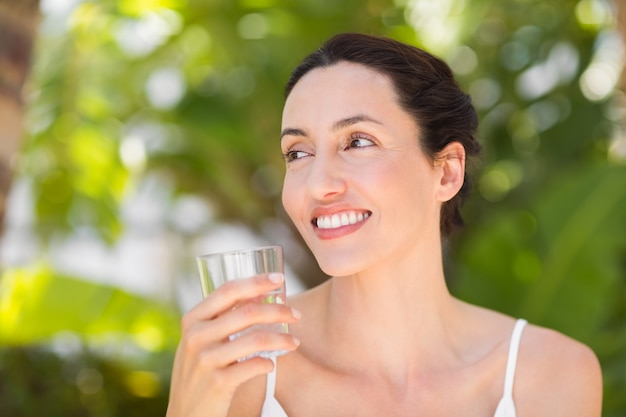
(376, 135)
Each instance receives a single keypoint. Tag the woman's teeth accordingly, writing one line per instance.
(340, 219)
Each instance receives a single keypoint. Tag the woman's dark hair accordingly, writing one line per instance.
(426, 89)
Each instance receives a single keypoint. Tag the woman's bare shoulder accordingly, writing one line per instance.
(556, 376)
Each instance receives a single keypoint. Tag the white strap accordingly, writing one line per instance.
(511, 362)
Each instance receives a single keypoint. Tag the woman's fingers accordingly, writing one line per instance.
(229, 353)
(203, 335)
(217, 362)
(207, 368)
(253, 313)
(232, 293)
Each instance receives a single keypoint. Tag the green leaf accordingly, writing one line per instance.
(36, 305)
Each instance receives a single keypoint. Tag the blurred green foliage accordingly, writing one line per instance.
(35, 381)
(37, 304)
(75, 348)
(190, 92)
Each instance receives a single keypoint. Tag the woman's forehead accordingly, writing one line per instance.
(343, 87)
(342, 72)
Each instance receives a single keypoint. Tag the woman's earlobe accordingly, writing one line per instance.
(452, 162)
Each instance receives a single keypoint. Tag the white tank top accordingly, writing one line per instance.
(506, 406)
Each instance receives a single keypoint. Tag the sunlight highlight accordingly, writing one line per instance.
(139, 37)
(600, 78)
(436, 23)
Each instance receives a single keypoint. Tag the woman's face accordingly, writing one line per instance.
(357, 186)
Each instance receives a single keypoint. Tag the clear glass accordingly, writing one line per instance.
(218, 268)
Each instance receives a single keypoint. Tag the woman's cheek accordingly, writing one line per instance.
(289, 198)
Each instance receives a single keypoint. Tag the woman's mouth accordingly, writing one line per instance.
(338, 220)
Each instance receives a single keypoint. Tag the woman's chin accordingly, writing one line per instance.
(334, 267)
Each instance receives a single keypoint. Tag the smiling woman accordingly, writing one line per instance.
(376, 134)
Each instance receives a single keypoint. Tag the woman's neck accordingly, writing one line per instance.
(399, 315)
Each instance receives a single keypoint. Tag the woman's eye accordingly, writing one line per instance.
(291, 156)
(360, 142)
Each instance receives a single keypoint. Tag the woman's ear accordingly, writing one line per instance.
(451, 162)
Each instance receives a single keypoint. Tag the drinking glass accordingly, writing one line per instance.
(216, 269)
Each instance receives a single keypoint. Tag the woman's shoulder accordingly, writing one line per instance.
(556, 375)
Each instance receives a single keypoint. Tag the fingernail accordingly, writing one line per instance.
(295, 313)
(276, 277)
(296, 341)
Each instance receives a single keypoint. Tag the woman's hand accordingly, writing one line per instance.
(206, 370)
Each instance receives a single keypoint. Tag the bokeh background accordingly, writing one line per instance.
(136, 134)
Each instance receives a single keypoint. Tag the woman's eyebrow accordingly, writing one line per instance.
(338, 125)
(292, 132)
(349, 121)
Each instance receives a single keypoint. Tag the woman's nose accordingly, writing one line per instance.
(326, 179)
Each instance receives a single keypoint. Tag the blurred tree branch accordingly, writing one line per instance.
(18, 21)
